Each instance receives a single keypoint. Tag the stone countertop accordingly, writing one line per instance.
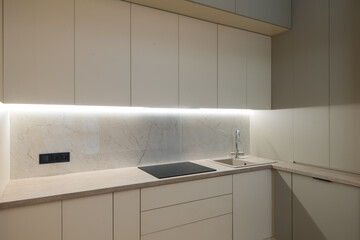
(21, 192)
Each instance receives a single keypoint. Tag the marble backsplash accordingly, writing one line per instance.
(100, 140)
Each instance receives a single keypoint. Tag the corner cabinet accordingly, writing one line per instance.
(325, 210)
(252, 205)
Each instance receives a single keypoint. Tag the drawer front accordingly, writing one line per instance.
(177, 215)
(210, 229)
(167, 195)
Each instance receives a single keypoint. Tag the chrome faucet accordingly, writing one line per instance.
(237, 141)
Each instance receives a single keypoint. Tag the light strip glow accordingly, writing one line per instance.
(125, 110)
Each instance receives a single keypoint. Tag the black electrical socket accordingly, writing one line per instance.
(54, 157)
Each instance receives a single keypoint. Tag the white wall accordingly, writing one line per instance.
(4, 148)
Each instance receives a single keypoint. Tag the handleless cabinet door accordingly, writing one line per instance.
(34, 222)
(102, 52)
(325, 210)
(127, 215)
(258, 71)
(231, 67)
(39, 51)
(154, 57)
(252, 205)
(89, 218)
(197, 63)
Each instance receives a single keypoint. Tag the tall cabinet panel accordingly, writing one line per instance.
(102, 52)
(154, 57)
(39, 51)
(231, 67)
(258, 71)
(197, 63)
(311, 81)
(325, 210)
(1, 54)
(345, 85)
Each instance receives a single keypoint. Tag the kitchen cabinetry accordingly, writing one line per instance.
(154, 57)
(33, 222)
(232, 44)
(197, 63)
(127, 215)
(325, 210)
(258, 61)
(282, 182)
(102, 53)
(39, 51)
(252, 205)
(227, 5)
(344, 85)
(277, 12)
(88, 218)
(183, 210)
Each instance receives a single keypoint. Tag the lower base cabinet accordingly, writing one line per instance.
(325, 210)
(89, 218)
(218, 228)
(35, 222)
(252, 205)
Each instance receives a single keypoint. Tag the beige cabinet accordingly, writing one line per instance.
(88, 218)
(102, 52)
(232, 45)
(200, 210)
(252, 205)
(258, 62)
(39, 51)
(325, 210)
(154, 57)
(127, 215)
(32, 222)
(282, 196)
(197, 63)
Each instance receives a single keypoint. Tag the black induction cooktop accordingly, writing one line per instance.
(175, 169)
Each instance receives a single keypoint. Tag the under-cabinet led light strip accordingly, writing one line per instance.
(125, 110)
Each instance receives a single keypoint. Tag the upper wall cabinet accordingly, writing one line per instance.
(258, 71)
(197, 63)
(227, 5)
(231, 67)
(154, 57)
(277, 12)
(102, 52)
(39, 51)
(272, 18)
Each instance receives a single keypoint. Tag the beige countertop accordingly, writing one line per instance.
(28, 191)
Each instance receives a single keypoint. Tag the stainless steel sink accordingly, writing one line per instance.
(236, 163)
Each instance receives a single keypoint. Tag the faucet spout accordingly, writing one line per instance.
(237, 141)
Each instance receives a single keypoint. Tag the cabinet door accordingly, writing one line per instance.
(211, 229)
(154, 58)
(345, 85)
(32, 222)
(231, 67)
(252, 205)
(258, 71)
(88, 218)
(282, 205)
(127, 215)
(277, 12)
(323, 210)
(102, 52)
(39, 51)
(198, 63)
(227, 5)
